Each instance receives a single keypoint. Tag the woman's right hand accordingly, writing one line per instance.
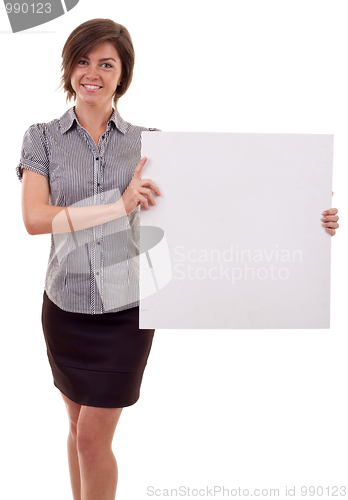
(138, 190)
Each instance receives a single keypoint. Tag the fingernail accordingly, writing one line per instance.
(324, 213)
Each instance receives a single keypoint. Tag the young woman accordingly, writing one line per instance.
(81, 182)
(89, 161)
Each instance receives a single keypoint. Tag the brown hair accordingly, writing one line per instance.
(87, 37)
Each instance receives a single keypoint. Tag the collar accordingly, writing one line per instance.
(67, 120)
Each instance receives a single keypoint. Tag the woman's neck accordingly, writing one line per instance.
(93, 117)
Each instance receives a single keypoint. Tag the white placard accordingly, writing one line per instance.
(243, 245)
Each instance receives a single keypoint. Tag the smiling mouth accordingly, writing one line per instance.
(91, 87)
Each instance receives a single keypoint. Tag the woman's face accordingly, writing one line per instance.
(97, 75)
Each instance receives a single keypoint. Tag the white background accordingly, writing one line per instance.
(248, 408)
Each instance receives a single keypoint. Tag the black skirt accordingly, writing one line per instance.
(96, 359)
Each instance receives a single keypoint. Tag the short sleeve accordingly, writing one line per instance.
(34, 154)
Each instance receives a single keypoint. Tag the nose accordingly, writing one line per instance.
(92, 73)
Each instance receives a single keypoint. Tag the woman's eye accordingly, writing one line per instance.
(105, 65)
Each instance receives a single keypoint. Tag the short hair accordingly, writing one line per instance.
(87, 37)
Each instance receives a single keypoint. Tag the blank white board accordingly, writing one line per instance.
(239, 241)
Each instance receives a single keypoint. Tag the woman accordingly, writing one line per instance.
(86, 161)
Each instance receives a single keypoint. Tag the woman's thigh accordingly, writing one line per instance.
(96, 427)
(73, 410)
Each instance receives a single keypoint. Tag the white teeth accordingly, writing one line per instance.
(92, 86)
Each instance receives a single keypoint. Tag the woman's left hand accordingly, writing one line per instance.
(330, 219)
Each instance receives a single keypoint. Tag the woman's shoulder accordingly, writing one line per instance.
(41, 128)
(153, 130)
(60, 124)
(139, 128)
(126, 127)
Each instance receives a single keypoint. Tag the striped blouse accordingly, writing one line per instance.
(93, 270)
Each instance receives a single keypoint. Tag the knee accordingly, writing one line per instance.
(95, 430)
(73, 430)
(87, 444)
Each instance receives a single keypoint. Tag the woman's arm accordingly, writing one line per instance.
(41, 218)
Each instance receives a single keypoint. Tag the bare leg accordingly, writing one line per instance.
(98, 466)
(74, 468)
